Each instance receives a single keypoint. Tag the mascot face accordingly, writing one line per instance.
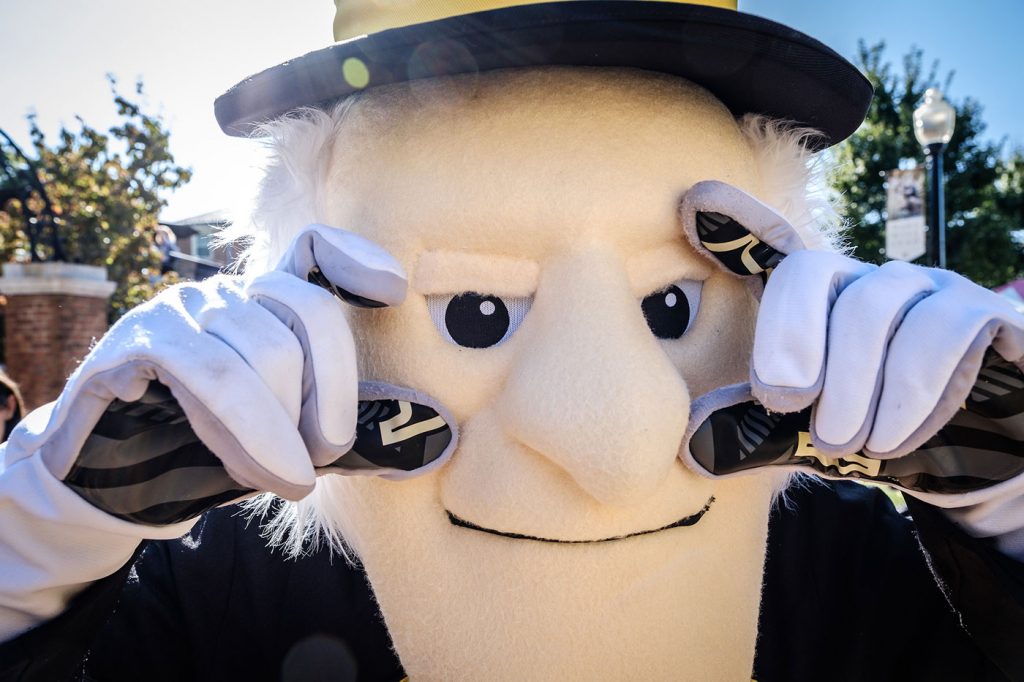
(535, 212)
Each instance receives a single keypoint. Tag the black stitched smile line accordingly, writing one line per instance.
(685, 521)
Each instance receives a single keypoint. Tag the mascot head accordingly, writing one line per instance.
(526, 165)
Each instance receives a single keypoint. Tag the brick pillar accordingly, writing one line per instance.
(54, 312)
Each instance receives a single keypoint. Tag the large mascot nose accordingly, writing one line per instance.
(594, 392)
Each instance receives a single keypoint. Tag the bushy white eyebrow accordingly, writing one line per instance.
(451, 272)
(656, 268)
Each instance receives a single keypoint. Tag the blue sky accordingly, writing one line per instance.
(982, 41)
(55, 54)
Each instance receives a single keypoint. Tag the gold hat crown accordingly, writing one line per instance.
(354, 18)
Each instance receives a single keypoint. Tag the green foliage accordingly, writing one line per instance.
(107, 189)
(984, 185)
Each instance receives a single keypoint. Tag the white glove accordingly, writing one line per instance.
(885, 357)
(205, 394)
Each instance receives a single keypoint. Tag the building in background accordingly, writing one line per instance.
(188, 246)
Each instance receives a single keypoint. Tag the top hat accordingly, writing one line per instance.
(751, 64)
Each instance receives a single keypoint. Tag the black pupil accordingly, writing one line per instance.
(476, 321)
(667, 312)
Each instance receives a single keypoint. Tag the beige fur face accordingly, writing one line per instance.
(559, 185)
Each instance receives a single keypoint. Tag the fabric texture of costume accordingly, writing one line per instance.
(845, 579)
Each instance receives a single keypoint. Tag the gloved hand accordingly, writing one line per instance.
(900, 374)
(217, 389)
(205, 394)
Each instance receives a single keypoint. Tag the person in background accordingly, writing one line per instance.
(165, 243)
(12, 407)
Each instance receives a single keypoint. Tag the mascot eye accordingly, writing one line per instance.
(671, 311)
(477, 320)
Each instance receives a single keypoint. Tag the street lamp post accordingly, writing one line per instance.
(934, 122)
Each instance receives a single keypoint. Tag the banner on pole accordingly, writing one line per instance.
(904, 225)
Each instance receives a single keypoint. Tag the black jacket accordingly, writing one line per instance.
(849, 595)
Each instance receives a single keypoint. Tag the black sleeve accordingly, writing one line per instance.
(848, 596)
(55, 649)
(217, 605)
(983, 585)
(147, 636)
(222, 605)
(129, 625)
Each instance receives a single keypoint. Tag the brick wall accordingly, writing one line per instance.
(54, 312)
(47, 335)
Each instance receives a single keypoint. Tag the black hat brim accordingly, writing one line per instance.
(752, 64)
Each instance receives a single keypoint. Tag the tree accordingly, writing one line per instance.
(106, 191)
(984, 185)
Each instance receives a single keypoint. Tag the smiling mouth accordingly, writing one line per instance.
(685, 521)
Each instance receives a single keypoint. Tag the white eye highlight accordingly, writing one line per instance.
(671, 311)
(475, 320)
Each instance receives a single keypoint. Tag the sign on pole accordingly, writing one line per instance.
(904, 226)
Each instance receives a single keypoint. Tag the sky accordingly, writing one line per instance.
(55, 54)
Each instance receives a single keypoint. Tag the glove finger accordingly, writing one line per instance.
(267, 346)
(863, 320)
(143, 463)
(249, 431)
(790, 339)
(401, 433)
(228, 404)
(329, 375)
(730, 434)
(934, 360)
(740, 234)
(244, 399)
(349, 266)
